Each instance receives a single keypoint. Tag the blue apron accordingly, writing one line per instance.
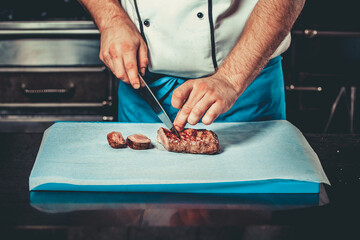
(264, 99)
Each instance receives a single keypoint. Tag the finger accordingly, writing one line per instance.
(142, 84)
(106, 59)
(214, 111)
(181, 93)
(181, 119)
(114, 58)
(118, 70)
(131, 69)
(143, 58)
(182, 116)
(199, 109)
(115, 64)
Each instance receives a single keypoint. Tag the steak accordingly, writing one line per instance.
(192, 141)
(138, 142)
(116, 140)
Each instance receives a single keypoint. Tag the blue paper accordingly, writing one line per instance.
(256, 157)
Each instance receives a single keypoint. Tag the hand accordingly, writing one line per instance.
(124, 51)
(208, 97)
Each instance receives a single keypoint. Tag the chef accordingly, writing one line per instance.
(205, 60)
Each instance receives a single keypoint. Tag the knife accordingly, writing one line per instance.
(145, 92)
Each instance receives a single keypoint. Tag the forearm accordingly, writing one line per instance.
(266, 28)
(105, 13)
(122, 48)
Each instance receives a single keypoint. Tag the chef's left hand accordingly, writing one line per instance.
(208, 97)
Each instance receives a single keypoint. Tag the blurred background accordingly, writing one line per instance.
(50, 71)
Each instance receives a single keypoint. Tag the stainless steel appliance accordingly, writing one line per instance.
(50, 71)
(321, 68)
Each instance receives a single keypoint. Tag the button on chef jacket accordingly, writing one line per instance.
(189, 39)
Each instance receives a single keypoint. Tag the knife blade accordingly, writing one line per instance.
(145, 92)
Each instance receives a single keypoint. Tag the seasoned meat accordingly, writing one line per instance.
(192, 141)
(116, 140)
(138, 142)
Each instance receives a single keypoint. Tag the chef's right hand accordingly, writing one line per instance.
(123, 51)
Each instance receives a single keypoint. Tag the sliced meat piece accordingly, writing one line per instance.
(192, 141)
(138, 142)
(116, 140)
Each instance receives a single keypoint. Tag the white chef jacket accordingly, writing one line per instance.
(191, 38)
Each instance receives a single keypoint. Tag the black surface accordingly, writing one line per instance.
(38, 10)
(339, 154)
(330, 15)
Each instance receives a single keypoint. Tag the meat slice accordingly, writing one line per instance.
(192, 141)
(138, 142)
(116, 140)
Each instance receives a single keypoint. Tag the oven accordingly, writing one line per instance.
(321, 68)
(50, 71)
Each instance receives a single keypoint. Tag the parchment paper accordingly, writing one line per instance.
(77, 155)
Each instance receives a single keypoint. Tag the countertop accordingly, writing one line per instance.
(181, 216)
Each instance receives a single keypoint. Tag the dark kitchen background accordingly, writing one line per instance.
(50, 71)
